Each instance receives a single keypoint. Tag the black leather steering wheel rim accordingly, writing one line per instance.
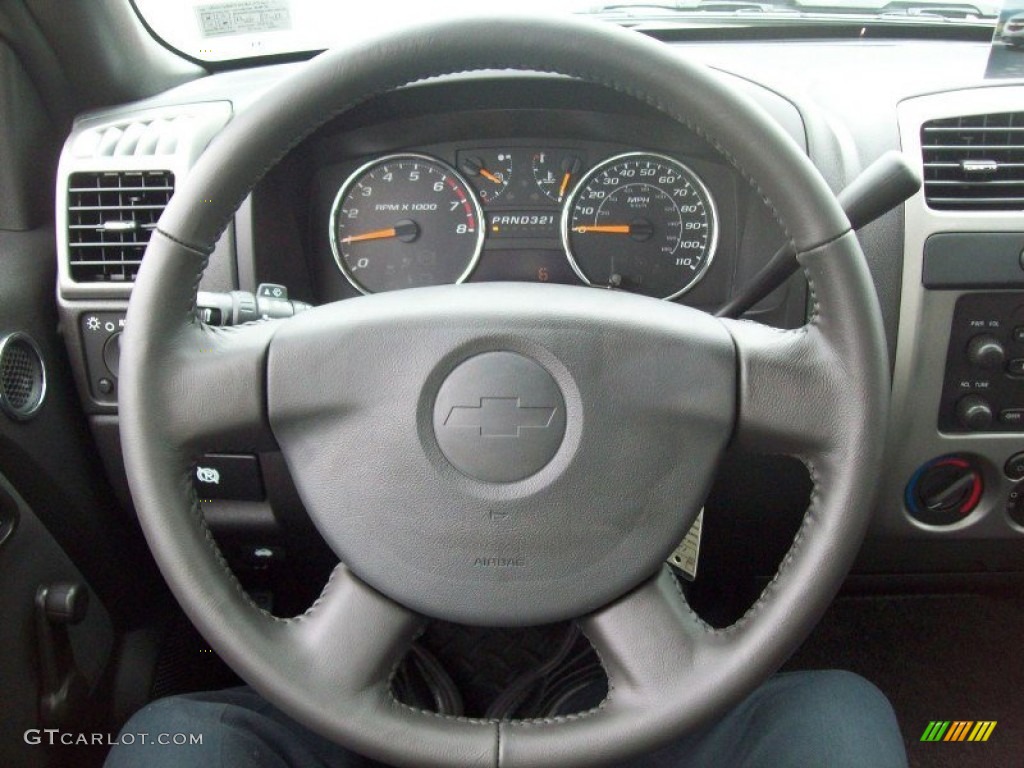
(330, 668)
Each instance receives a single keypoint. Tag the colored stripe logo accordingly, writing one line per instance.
(958, 730)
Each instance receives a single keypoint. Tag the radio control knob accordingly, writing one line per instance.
(974, 412)
(986, 352)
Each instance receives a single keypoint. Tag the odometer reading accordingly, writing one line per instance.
(641, 222)
(405, 221)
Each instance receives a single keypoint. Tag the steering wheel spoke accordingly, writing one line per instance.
(788, 384)
(216, 387)
(208, 390)
(353, 637)
(342, 655)
(646, 639)
(652, 646)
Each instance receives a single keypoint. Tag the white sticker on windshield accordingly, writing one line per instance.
(243, 17)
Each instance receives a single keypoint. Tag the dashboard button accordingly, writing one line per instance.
(1014, 466)
(1012, 416)
(222, 476)
(272, 291)
(1015, 504)
(1015, 367)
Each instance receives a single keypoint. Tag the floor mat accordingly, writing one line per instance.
(946, 658)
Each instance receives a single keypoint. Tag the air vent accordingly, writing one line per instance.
(110, 219)
(22, 376)
(974, 163)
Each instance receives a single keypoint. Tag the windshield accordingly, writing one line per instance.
(223, 30)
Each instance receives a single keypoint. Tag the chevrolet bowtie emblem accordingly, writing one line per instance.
(499, 417)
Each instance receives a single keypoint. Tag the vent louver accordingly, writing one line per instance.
(111, 216)
(974, 163)
(140, 138)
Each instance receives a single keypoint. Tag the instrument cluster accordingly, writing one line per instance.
(640, 221)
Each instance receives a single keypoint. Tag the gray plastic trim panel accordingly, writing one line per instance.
(924, 329)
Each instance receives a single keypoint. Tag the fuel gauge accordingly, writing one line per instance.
(555, 172)
(488, 170)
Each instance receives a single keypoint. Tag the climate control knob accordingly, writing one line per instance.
(944, 491)
(986, 352)
(974, 412)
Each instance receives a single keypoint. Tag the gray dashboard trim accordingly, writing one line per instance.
(924, 330)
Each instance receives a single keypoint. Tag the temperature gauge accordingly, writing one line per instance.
(555, 172)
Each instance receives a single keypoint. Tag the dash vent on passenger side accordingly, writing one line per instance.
(111, 216)
(974, 163)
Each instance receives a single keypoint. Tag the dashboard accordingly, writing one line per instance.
(527, 211)
(500, 177)
(536, 182)
(534, 210)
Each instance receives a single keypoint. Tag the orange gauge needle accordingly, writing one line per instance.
(489, 176)
(609, 229)
(377, 234)
(565, 185)
(405, 230)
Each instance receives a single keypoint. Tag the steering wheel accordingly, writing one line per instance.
(633, 403)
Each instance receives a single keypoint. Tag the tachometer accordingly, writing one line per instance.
(641, 222)
(404, 221)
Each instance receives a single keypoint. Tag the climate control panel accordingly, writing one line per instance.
(983, 389)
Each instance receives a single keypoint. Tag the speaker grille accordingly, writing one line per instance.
(22, 376)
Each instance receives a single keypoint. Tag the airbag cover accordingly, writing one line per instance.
(622, 406)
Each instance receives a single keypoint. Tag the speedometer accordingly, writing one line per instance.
(641, 222)
(403, 221)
